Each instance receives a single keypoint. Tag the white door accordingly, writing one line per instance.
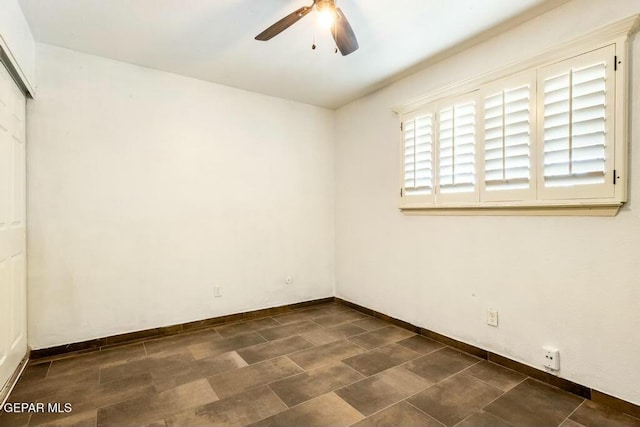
(13, 301)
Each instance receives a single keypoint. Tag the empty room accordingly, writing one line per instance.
(319, 213)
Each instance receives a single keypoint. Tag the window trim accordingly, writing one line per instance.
(614, 34)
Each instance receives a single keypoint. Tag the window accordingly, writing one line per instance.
(577, 97)
(456, 150)
(508, 117)
(418, 156)
(542, 137)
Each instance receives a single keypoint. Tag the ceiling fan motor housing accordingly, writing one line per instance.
(325, 4)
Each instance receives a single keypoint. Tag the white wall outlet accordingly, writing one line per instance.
(551, 358)
(492, 317)
(217, 292)
(288, 280)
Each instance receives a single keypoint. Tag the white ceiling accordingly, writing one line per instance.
(213, 39)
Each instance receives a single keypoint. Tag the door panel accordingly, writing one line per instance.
(18, 204)
(5, 314)
(13, 303)
(18, 299)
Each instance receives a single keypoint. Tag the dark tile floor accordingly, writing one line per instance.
(320, 366)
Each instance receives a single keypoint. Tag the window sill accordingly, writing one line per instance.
(505, 209)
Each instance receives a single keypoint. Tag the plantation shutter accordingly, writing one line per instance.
(417, 131)
(508, 114)
(457, 151)
(577, 126)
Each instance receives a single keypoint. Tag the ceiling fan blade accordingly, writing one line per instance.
(343, 34)
(284, 23)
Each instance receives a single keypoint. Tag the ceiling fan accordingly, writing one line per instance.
(329, 15)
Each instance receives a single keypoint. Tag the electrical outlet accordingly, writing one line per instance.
(551, 358)
(492, 317)
(217, 292)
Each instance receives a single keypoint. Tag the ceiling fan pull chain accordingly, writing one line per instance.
(313, 46)
(335, 37)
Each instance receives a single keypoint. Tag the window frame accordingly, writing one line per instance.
(616, 34)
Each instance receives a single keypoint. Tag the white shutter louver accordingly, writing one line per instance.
(577, 120)
(507, 139)
(575, 125)
(456, 132)
(418, 155)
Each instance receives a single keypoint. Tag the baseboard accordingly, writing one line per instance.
(6, 389)
(562, 383)
(130, 337)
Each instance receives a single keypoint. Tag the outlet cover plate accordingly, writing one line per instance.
(492, 317)
(551, 358)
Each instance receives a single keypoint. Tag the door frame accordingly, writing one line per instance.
(7, 60)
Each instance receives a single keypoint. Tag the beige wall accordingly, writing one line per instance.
(147, 189)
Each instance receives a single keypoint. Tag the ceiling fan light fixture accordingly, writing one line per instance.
(326, 16)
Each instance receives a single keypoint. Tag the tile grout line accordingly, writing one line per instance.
(364, 377)
(369, 317)
(467, 417)
(432, 384)
(262, 336)
(572, 412)
(316, 323)
(386, 369)
(265, 384)
(401, 400)
(48, 369)
(451, 376)
(420, 410)
(457, 373)
(274, 357)
(487, 405)
(268, 385)
(503, 391)
(319, 396)
(358, 345)
(445, 378)
(416, 393)
(377, 346)
(321, 366)
(292, 361)
(423, 354)
(287, 407)
(277, 321)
